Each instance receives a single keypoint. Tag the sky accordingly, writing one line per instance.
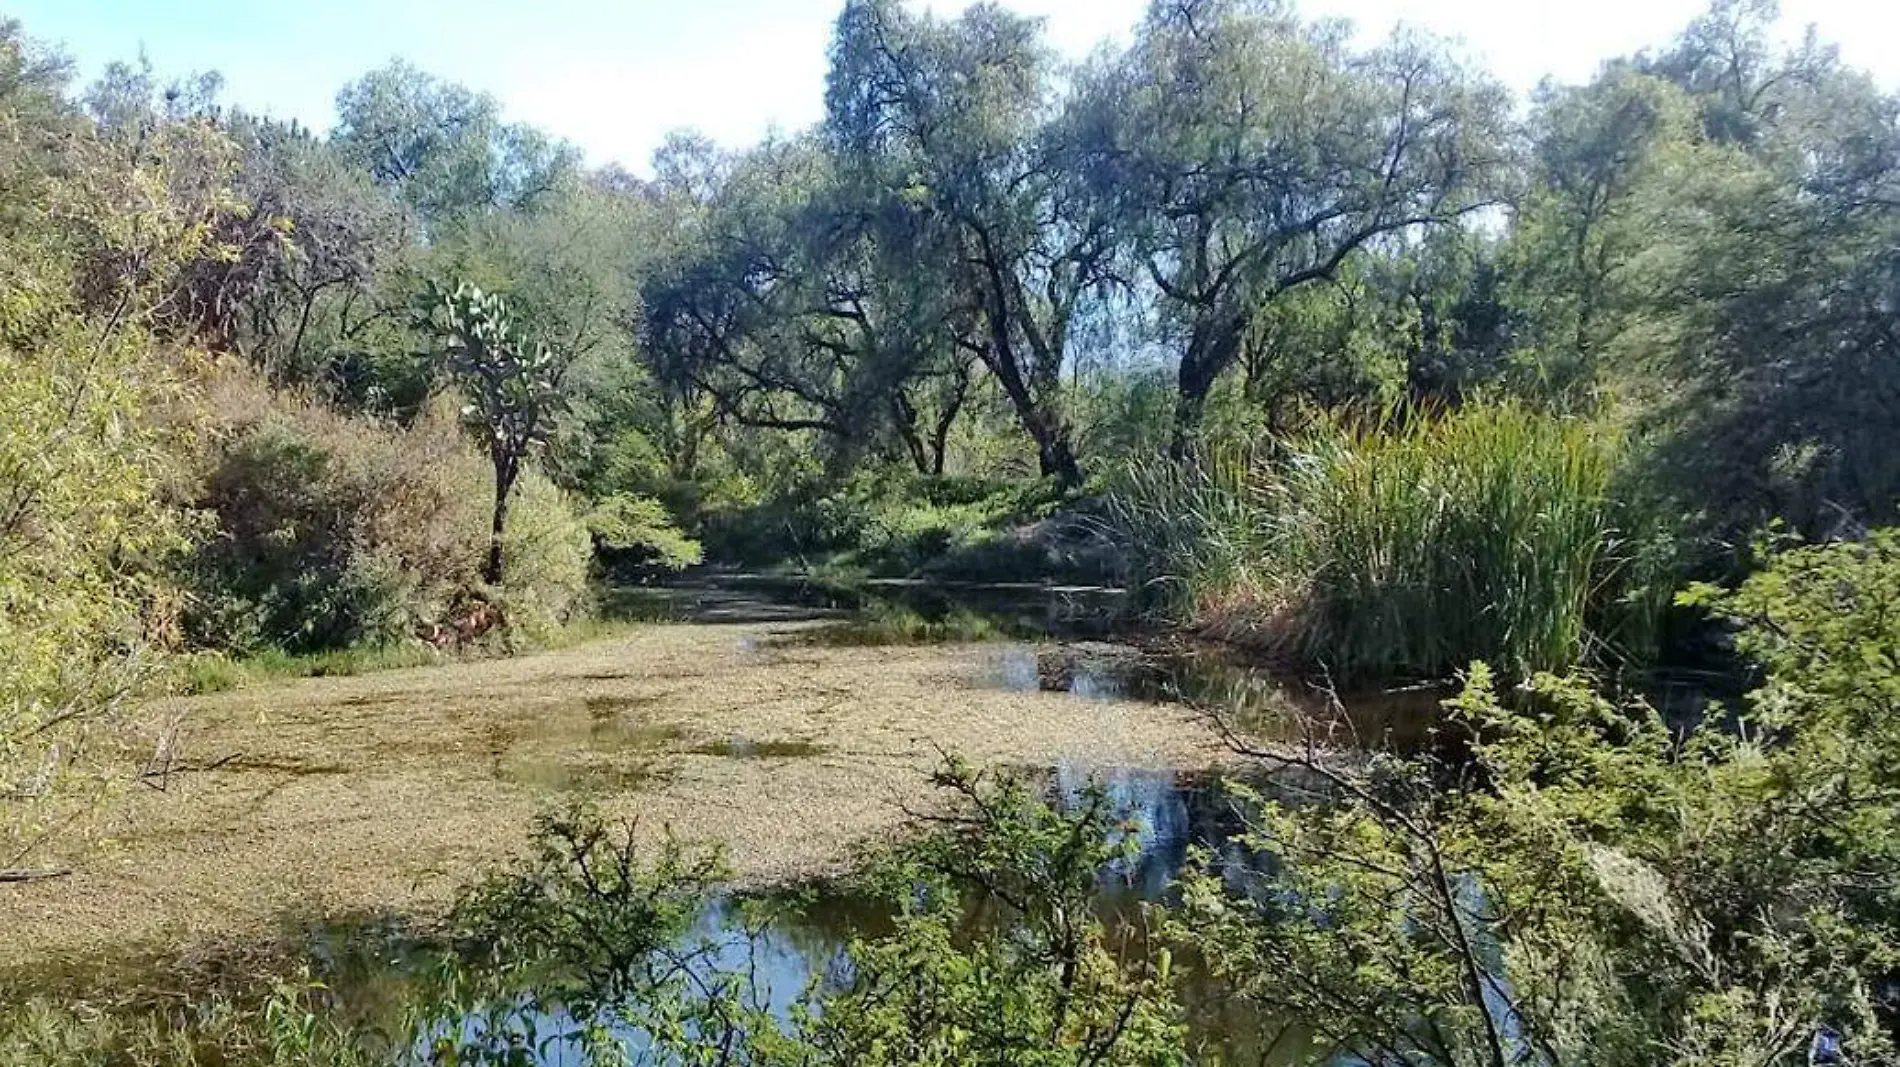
(615, 76)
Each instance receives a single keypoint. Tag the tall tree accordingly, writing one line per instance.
(1253, 154)
(445, 148)
(313, 295)
(790, 306)
(513, 384)
(1769, 282)
(1598, 150)
(949, 128)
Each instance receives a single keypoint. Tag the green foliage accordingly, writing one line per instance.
(89, 243)
(443, 148)
(1048, 984)
(286, 1025)
(896, 526)
(638, 529)
(214, 672)
(551, 556)
(1399, 548)
(1593, 887)
(586, 912)
(601, 930)
(333, 531)
(1824, 623)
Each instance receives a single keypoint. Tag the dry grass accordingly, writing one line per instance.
(337, 796)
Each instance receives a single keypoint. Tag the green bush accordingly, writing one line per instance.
(1640, 891)
(1404, 547)
(636, 531)
(884, 524)
(330, 531)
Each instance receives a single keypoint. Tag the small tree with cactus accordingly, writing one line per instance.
(512, 381)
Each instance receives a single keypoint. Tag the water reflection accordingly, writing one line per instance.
(1015, 609)
(1266, 703)
(783, 945)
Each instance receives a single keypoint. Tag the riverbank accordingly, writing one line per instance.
(386, 793)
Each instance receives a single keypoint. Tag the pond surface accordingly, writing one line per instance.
(609, 727)
(786, 944)
(1080, 640)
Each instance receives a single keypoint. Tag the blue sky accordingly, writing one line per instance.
(615, 76)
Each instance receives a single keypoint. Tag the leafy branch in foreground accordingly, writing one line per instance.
(1594, 888)
(997, 955)
(1047, 981)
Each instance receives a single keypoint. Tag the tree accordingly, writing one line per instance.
(1764, 283)
(1598, 151)
(92, 238)
(1252, 154)
(948, 129)
(794, 311)
(313, 294)
(444, 148)
(513, 383)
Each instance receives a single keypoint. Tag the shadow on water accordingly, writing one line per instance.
(1010, 609)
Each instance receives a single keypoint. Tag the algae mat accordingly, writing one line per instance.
(388, 792)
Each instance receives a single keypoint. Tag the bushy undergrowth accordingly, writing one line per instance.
(332, 531)
(1651, 893)
(891, 525)
(637, 533)
(1404, 547)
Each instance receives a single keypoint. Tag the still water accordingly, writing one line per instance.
(783, 946)
(1077, 642)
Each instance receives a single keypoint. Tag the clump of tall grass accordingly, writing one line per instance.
(1403, 546)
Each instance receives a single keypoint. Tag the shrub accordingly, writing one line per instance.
(893, 525)
(1404, 547)
(636, 531)
(333, 531)
(1634, 891)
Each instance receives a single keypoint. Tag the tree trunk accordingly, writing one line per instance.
(505, 471)
(905, 418)
(1055, 456)
(946, 419)
(1212, 348)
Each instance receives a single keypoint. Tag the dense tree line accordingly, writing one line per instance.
(980, 235)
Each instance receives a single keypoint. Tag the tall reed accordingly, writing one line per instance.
(1404, 546)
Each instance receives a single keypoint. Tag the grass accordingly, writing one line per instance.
(1405, 548)
(212, 672)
